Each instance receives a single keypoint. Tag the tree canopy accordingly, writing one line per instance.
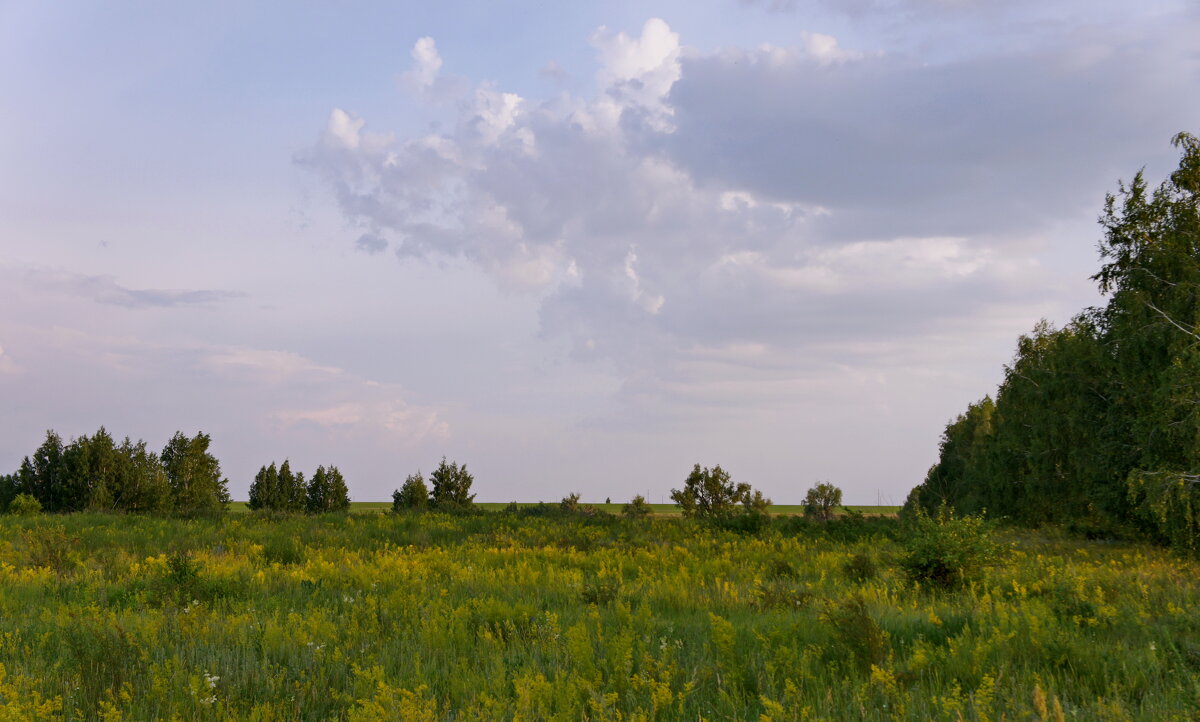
(1096, 424)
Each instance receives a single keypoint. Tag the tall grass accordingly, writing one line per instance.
(516, 616)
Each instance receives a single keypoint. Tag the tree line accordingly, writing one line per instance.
(279, 489)
(1096, 425)
(95, 473)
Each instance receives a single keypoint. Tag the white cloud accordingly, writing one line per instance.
(388, 418)
(803, 200)
(426, 63)
(343, 129)
(269, 365)
(825, 49)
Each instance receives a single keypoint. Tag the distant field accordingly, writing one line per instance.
(366, 507)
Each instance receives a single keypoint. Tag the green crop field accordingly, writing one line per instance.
(511, 616)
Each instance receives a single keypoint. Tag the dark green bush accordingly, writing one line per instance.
(282, 549)
(51, 547)
(947, 551)
(856, 634)
(861, 567)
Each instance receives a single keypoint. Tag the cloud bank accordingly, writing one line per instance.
(815, 203)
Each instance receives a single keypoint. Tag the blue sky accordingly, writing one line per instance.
(579, 247)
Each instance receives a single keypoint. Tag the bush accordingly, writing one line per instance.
(51, 547)
(857, 634)
(598, 592)
(24, 505)
(636, 508)
(860, 567)
(413, 495)
(822, 500)
(282, 549)
(781, 593)
(569, 503)
(947, 551)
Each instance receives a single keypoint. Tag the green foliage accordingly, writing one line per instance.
(194, 475)
(945, 550)
(709, 492)
(327, 492)
(711, 496)
(570, 503)
(451, 487)
(599, 592)
(857, 635)
(8, 490)
(1096, 424)
(822, 501)
(278, 489)
(279, 549)
(182, 576)
(25, 505)
(861, 567)
(264, 490)
(52, 547)
(91, 472)
(636, 508)
(502, 616)
(1171, 500)
(412, 495)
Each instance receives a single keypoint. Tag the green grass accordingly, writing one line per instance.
(508, 616)
(364, 507)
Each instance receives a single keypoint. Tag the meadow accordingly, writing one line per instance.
(375, 507)
(432, 616)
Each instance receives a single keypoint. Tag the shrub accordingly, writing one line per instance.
(780, 569)
(947, 551)
(860, 567)
(50, 547)
(282, 549)
(636, 508)
(413, 495)
(822, 500)
(857, 634)
(569, 503)
(24, 505)
(598, 592)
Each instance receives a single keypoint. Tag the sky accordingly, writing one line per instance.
(578, 247)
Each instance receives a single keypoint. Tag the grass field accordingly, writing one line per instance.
(505, 616)
(365, 507)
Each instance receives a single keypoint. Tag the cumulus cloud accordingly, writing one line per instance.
(425, 78)
(426, 64)
(781, 200)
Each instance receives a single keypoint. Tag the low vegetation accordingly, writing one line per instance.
(441, 616)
